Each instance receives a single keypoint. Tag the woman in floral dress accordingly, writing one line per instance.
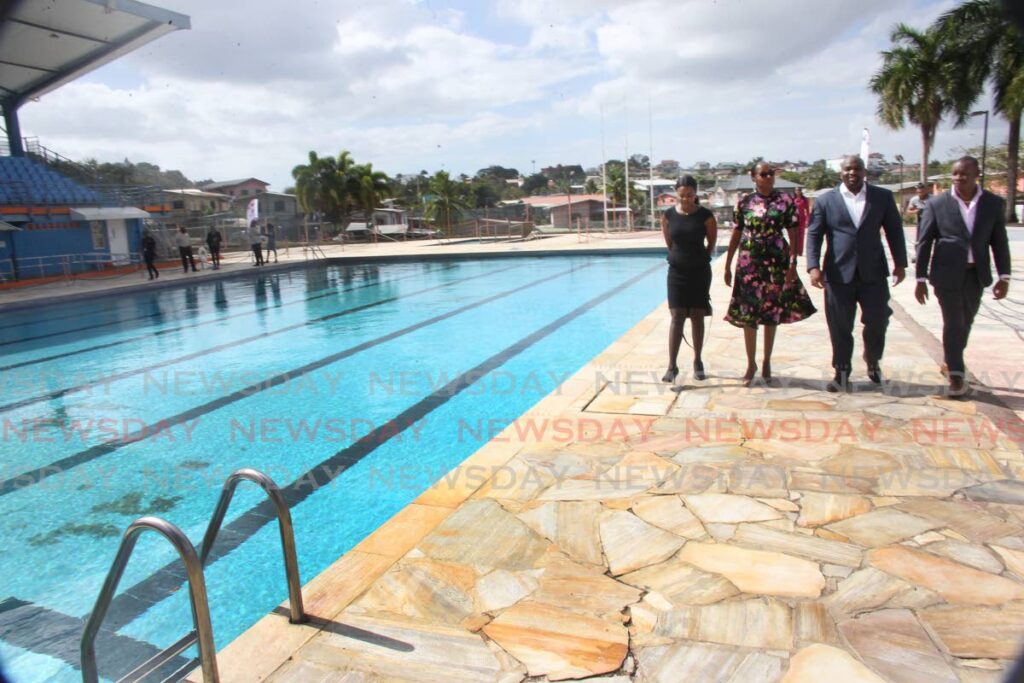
(767, 291)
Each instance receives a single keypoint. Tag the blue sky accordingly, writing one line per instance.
(460, 85)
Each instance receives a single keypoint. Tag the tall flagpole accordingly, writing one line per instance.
(604, 175)
(629, 214)
(650, 159)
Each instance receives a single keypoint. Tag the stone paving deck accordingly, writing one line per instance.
(707, 533)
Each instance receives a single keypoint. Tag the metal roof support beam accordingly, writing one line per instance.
(13, 130)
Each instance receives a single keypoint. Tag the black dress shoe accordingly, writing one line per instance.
(957, 386)
(698, 371)
(670, 375)
(875, 374)
(839, 383)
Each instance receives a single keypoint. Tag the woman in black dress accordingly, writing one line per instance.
(690, 233)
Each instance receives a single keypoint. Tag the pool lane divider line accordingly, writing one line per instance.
(119, 321)
(134, 601)
(54, 634)
(193, 325)
(34, 476)
(60, 393)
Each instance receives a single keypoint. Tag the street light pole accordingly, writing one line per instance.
(899, 158)
(984, 143)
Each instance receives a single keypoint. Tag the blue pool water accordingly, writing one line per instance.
(354, 387)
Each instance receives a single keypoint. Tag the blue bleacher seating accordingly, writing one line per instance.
(23, 179)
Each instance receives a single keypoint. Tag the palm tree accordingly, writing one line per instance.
(368, 188)
(325, 186)
(914, 84)
(989, 48)
(447, 200)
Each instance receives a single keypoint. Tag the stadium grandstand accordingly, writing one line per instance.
(56, 220)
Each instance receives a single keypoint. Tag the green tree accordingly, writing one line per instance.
(915, 84)
(534, 183)
(447, 201)
(989, 49)
(325, 185)
(367, 188)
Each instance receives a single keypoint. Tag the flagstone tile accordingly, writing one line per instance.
(484, 536)
(558, 643)
(669, 513)
(424, 589)
(936, 483)
(894, 644)
(881, 527)
(601, 488)
(571, 525)
(810, 547)
(693, 479)
(755, 571)
(687, 661)
(581, 588)
(630, 543)
(823, 482)
(724, 455)
(723, 508)
(681, 584)
(1014, 559)
(402, 532)
(817, 663)
(970, 520)
(1007, 491)
(970, 554)
(817, 509)
(762, 623)
(758, 479)
(955, 582)
(917, 597)
(793, 450)
(403, 649)
(978, 632)
(865, 590)
(501, 588)
(813, 624)
(860, 462)
(969, 459)
(905, 410)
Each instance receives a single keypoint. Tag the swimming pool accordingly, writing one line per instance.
(354, 387)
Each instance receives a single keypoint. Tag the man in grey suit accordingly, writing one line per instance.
(962, 226)
(851, 219)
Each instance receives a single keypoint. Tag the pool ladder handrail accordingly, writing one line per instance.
(194, 566)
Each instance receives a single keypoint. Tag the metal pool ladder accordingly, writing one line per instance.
(202, 633)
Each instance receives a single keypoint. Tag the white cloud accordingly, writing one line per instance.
(411, 85)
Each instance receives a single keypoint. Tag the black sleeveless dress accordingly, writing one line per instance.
(689, 266)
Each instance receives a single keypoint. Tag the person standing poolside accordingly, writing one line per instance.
(149, 254)
(851, 219)
(803, 217)
(213, 240)
(767, 291)
(963, 226)
(271, 241)
(185, 249)
(690, 233)
(256, 242)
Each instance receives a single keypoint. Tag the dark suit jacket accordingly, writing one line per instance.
(942, 228)
(851, 248)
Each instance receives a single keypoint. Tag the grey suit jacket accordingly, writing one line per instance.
(942, 229)
(855, 249)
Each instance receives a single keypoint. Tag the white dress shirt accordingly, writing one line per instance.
(968, 211)
(855, 202)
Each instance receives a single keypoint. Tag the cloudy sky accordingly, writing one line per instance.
(458, 85)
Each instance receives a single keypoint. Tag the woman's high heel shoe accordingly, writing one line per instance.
(748, 378)
(698, 371)
(670, 375)
(766, 372)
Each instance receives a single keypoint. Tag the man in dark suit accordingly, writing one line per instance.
(962, 226)
(850, 219)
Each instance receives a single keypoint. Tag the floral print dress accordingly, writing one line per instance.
(760, 295)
